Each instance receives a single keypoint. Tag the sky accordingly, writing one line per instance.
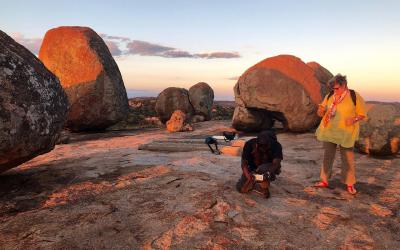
(159, 44)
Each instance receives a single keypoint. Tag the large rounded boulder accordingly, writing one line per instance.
(171, 99)
(89, 75)
(380, 133)
(283, 84)
(33, 105)
(201, 96)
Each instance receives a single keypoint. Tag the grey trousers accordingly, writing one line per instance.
(348, 167)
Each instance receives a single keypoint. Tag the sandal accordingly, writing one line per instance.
(321, 184)
(351, 189)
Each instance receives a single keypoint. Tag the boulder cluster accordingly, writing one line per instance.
(195, 103)
(76, 84)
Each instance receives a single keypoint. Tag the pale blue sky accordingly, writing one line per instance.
(357, 38)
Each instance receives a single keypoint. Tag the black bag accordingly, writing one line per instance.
(229, 136)
(209, 141)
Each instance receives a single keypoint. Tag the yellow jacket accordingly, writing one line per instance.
(336, 130)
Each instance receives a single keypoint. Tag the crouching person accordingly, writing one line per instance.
(261, 156)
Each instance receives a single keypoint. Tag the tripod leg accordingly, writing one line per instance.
(212, 150)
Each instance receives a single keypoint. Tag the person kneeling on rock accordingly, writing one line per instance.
(261, 162)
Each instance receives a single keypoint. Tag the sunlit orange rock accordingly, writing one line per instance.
(33, 105)
(231, 150)
(88, 74)
(380, 132)
(178, 123)
(282, 84)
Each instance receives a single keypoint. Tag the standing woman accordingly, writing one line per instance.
(341, 111)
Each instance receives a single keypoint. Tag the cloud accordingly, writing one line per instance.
(119, 38)
(137, 47)
(176, 54)
(143, 48)
(119, 45)
(113, 47)
(114, 43)
(234, 78)
(33, 44)
(221, 54)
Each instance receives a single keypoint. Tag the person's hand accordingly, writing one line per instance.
(321, 110)
(350, 121)
(269, 176)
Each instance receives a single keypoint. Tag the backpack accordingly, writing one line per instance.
(228, 136)
(352, 94)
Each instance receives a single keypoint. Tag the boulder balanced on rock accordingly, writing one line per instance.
(283, 84)
(89, 76)
(380, 133)
(201, 96)
(171, 99)
(33, 105)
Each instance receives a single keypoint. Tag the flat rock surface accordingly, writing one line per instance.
(101, 192)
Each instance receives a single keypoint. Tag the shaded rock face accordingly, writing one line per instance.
(201, 96)
(380, 133)
(197, 118)
(283, 84)
(89, 76)
(33, 105)
(171, 99)
(250, 120)
(177, 123)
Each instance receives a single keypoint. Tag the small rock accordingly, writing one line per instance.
(232, 213)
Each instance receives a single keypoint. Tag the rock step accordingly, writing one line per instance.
(193, 141)
(187, 145)
(173, 147)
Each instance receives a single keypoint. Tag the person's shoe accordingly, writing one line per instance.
(351, 189)
(321, 184)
